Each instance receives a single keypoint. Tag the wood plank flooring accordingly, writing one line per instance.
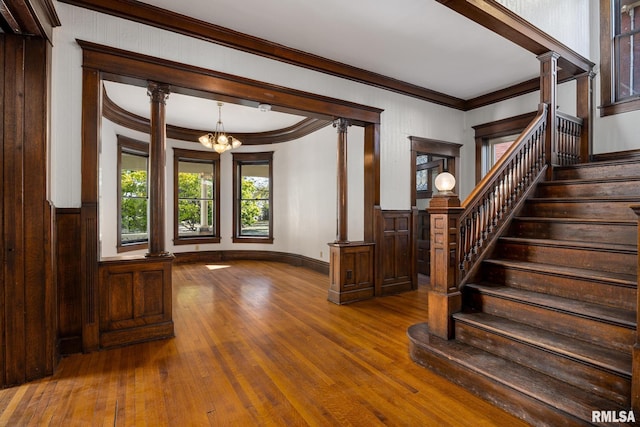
(257, 343)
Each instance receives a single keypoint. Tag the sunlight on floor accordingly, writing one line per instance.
(217, 266)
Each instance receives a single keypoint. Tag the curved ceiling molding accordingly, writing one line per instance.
(122, 117)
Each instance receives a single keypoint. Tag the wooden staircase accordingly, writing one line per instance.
(547, 328)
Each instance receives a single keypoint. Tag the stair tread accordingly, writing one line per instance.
(616, 316)
(551, 391)
(583, 199)
(578, 244)
(606, 358)
(579, 181)
(592, 221)
(621, 279)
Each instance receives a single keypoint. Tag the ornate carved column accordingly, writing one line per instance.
(342, 215)
(548, 88)
(157, 148)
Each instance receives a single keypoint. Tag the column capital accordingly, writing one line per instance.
(341, 124)
(158, 92)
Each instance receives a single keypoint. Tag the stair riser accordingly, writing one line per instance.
(579, 289)
(581, 375)
(598, 172)
(615, 262)
(590, 330)
(600, 233)
(579, 209)
(589, 189)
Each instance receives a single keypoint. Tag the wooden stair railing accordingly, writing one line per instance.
(493, 201)
(568, 132)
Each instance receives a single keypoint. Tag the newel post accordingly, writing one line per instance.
(548, 89)
(635, 369)
(444, 297)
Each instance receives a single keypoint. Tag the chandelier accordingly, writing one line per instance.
(219, 140)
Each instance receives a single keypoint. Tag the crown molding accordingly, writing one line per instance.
(122, 117)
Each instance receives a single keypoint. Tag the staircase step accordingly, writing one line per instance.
(597, 207)
(619, 186)
(599, 170)
(608, 288)
(576, 229)
(595, 323)
(613, 258)
(592, 368)
(530, 395)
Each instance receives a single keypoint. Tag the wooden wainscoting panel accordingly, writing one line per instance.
(69, 280)
(351, 272)
(395, 252)
(135, 300)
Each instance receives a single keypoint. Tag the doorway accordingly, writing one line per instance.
(428, 158)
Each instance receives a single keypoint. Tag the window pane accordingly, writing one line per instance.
(254, 199)
(627, 49)
(195, 199)
(255, 218)
(133, 198)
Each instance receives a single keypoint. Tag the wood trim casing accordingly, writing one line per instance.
(489, 14)
(29, 17)
(607, 92)
(238, 160)
(118, 115)
(207, 157)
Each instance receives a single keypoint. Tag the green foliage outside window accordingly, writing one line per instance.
(134, 203)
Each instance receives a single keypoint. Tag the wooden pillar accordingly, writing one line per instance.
(342, 215)
(157, 152)
(635, 368)
(584, 111)
(548, 88)
(444, 297)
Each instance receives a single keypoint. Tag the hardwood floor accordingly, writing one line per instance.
(257, 343)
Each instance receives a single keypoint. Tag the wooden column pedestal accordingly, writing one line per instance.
(135, 300)
(351, 272)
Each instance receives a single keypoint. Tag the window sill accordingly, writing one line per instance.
(131, 247)
(620, 107)
(266, 240)
(195, 240)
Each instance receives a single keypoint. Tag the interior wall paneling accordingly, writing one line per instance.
(28, 307)
(395, 256)
(69, 283)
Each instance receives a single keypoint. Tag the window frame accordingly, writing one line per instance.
(133, 147)
(240, 159)
(196, 156)
(609, 104)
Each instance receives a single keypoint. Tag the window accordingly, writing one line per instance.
(252, 195)
(494, 139)
(133, 197)
(196, 204)
(620, 55)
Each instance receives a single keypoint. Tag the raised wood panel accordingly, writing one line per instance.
(395, 252)
(423, 254)
(69, 283)
(135, 300)
(27, 307)
(351, 272)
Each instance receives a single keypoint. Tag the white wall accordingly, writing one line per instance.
(566, 20)
(402, 117)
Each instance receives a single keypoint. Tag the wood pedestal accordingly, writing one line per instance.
(351, 272)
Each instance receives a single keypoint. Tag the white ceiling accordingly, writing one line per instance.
(417, 41)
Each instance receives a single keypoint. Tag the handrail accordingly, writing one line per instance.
(494, 199)
(568, 130)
